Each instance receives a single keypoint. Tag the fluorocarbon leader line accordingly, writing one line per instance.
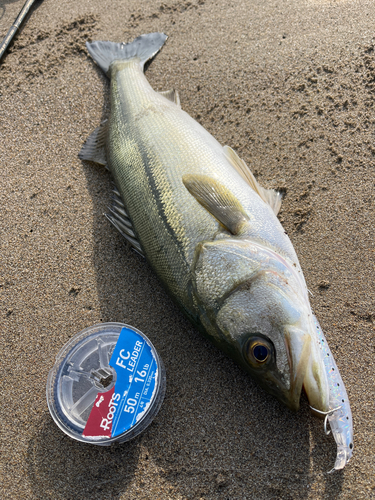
(107, 384)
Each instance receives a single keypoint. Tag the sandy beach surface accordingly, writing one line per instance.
(291, 86)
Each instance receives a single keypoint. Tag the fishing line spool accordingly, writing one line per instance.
(107, 385)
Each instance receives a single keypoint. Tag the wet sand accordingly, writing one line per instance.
(290, 86)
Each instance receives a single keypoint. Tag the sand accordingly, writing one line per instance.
(291, 86)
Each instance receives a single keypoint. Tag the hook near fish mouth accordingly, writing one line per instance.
(326, 414)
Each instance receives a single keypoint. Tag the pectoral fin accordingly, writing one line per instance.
(270, 196)
(217, 200)
(94, 147)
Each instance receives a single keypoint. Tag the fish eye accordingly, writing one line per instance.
(258, 351)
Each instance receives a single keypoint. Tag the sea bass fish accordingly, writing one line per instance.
(211, 234)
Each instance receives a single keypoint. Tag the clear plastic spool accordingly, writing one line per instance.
(107, 384)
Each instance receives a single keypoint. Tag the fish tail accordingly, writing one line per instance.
(144, 48)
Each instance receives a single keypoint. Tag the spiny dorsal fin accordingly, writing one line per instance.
(172, 95)
(120, 219)
(94, 147)
(217, 200)
(270, 196)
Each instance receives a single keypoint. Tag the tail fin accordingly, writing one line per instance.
(144, 47)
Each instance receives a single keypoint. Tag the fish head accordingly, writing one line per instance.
(262, 318)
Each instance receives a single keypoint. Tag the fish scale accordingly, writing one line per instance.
(162, 138)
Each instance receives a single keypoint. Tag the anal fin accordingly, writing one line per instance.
(119, 218)
(94, 147)
(270, 196)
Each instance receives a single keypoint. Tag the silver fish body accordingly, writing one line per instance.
(209, 231)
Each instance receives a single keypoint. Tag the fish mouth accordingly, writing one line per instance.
(299, 355)
(316, 386)
(306, 371)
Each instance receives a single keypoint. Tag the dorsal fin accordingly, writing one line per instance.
(120, 219)
(218, 200)
(270, 196)
(172, 95)
(94, 147)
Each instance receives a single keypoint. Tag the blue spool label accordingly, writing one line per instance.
(116, 411)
